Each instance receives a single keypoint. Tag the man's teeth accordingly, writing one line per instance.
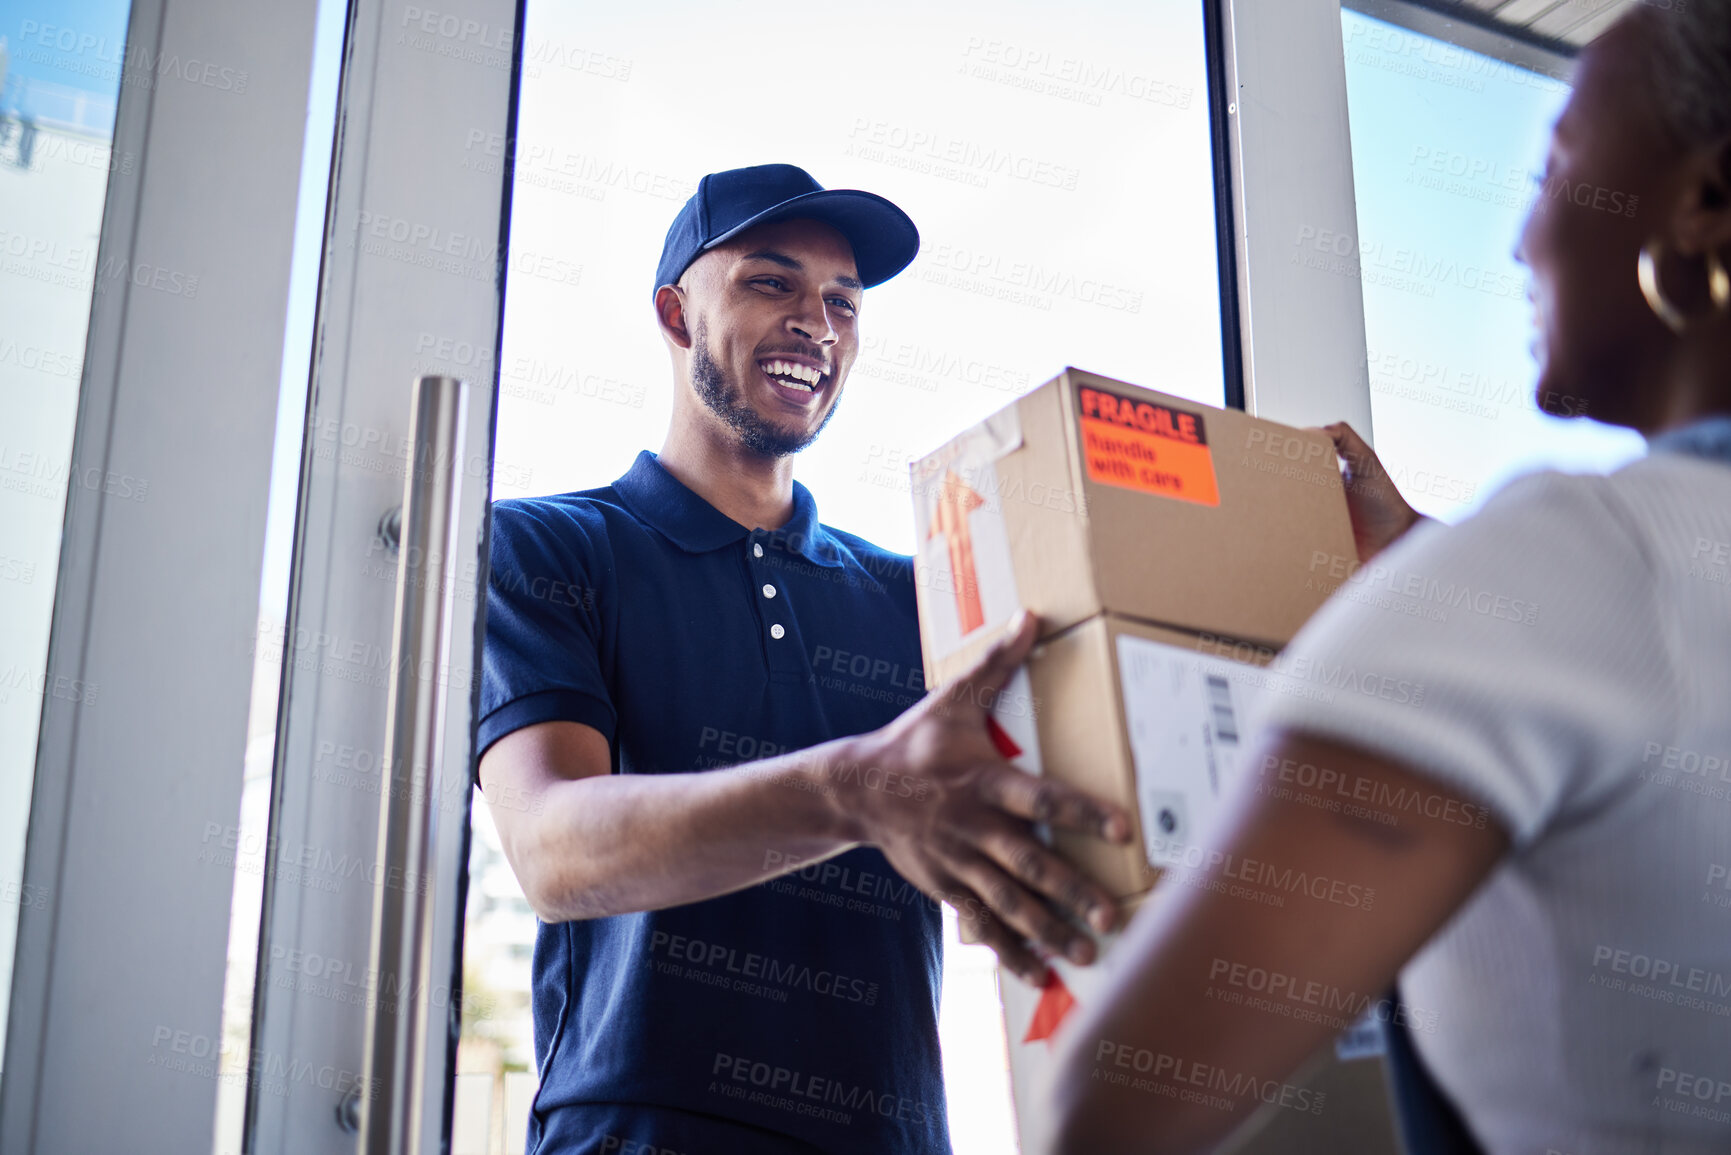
(794, 376)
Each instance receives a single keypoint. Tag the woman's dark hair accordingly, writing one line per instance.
(1691, 68)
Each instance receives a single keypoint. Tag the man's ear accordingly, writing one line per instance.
(670, 313)
(1703, 223)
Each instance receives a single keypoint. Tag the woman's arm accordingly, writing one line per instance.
(1325, 906)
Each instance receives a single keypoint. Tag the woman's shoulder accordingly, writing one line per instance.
(1548, 516)
(1649, 510)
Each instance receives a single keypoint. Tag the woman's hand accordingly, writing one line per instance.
(1379, 513)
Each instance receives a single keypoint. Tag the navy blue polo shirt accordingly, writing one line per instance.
(799, 1015)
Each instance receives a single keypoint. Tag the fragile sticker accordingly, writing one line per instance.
(1145, 446)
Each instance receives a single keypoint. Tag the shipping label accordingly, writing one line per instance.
(1145, 446)
(964, 554)
(1182, 710)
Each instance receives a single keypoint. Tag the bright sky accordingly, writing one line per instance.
(67, 45)
(1006, 184)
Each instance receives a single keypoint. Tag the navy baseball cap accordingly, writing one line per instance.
(725, 204)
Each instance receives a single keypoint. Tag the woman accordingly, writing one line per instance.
(1548, 834)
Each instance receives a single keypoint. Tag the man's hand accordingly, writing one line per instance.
(966, 832)
(1379, 513)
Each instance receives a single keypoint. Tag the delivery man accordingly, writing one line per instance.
(697, 742)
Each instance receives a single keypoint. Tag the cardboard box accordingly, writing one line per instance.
(1339, 1101)
(1170, 549)
(1147, 717)
(1090, 495)
(1153, 719)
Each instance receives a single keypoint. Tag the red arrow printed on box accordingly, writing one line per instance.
(1050, 1012)
(955, 501)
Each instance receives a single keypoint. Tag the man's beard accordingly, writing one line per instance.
(727, 401)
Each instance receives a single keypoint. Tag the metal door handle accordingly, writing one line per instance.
(396, 1047)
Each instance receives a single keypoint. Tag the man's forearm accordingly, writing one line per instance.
(612, 844)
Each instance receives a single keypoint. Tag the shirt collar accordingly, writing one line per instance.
(663, 502)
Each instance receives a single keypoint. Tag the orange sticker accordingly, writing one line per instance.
(1145, 446)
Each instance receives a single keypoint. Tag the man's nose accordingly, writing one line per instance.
(812, 322)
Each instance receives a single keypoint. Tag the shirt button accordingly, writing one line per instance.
(768, 591)
(756, 550)
(776, 631)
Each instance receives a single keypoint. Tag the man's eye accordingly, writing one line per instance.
(844, 303)
(771, 282)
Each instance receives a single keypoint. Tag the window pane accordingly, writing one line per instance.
(1447, 147)
(61, 64)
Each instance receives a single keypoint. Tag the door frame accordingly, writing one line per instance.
(1302, 327)
(118, 975)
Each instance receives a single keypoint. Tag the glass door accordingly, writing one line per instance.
(1060, 167)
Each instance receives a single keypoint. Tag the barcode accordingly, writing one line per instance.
(1220, 701)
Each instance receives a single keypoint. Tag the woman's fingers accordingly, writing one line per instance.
(1379, 513)
(1362, 463)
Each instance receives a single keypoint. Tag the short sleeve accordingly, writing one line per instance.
(541, 659)
(1517, 657)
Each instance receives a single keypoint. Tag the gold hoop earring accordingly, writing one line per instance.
(1718, 282)
(1647, 274)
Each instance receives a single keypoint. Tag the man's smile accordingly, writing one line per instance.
(799, 379)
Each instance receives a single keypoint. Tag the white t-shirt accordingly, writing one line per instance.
(1573, 644)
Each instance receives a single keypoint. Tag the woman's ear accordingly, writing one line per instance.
(1703, 220)
(670, 314)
